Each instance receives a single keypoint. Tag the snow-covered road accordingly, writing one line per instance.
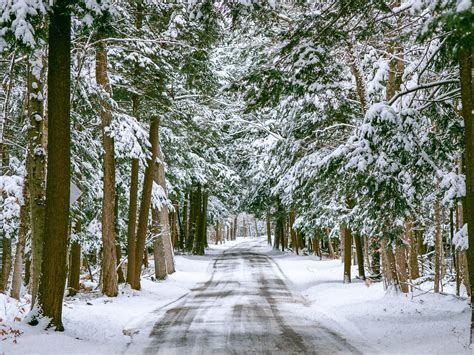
(245, 307)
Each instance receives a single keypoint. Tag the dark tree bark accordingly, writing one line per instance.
(466, 58)
(184, 224)
(360, 256)
(347, 253)
(269, 229)
(132, 223)
(145, 202)
(193, 201)
(74, 268)
(53, 267)
(6, 263)
(109, 261)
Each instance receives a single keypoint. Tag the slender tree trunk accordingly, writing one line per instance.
(413, 256)
(160, 179)
(347, 254)
(20, 245)
(120, 274)
(36, 166)
(269, 229)
(194, 211)
(132, 223)
(184, 233)
(75, 268)
(360, 256)
(158, 247)
(293, 232)
(438, 246)
(235, 227)
(53, 268)
(6, 263)
(402, 267)
(466, 59)
(109, 259)
(145, 202)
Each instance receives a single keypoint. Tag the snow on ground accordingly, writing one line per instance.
(384, 323)
(96, 324)
(372, 320)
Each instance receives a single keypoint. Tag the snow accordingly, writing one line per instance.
(463, 5)
(99, 324)
(362, 312)
(383, 322)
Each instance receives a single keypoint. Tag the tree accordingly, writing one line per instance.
(53, 268)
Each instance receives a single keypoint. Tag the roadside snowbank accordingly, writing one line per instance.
(98, 324)
(384, 323)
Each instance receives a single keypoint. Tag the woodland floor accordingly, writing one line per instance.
(243, 297)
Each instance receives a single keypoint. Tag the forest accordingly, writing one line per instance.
(135, 134)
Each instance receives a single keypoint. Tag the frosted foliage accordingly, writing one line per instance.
(464, 5)
(159, 198)
(11, 198)
(15, 17)
(131, 139)
(460, 239)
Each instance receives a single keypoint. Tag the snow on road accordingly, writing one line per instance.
(245, 298)
(245, 307)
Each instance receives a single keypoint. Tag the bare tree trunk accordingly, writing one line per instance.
(6, 263)
(53, 268)
(438, 247)
(402, 267)
(132, 223)
(360, 256)
(158, 247)
(145, 202)
(74, 268)
(36, 166)
(184, 234)
(160, 179)
(235, 227)
(466, 59)
(120, 274)
(269, 229)
(347, 235)
(410, 236)
(20, 245)
(109, 260)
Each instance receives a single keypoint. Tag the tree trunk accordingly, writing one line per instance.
(466, 59)
(120, 274)
(109, 259)
(158, 247)
(36, 166)
(234, 237)
(53, 268)
(75, 268)
(184, 233)
(347, 254)
(194, 211)
(293, 232)
(6, 263)
(132, 223)
(413, 255)
(20, 245)
(160, 179)
(438, 247)
(269, 229)
(145, 202)
(360, 256)
(402, 267)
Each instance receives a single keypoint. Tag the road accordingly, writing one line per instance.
(245, 308)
